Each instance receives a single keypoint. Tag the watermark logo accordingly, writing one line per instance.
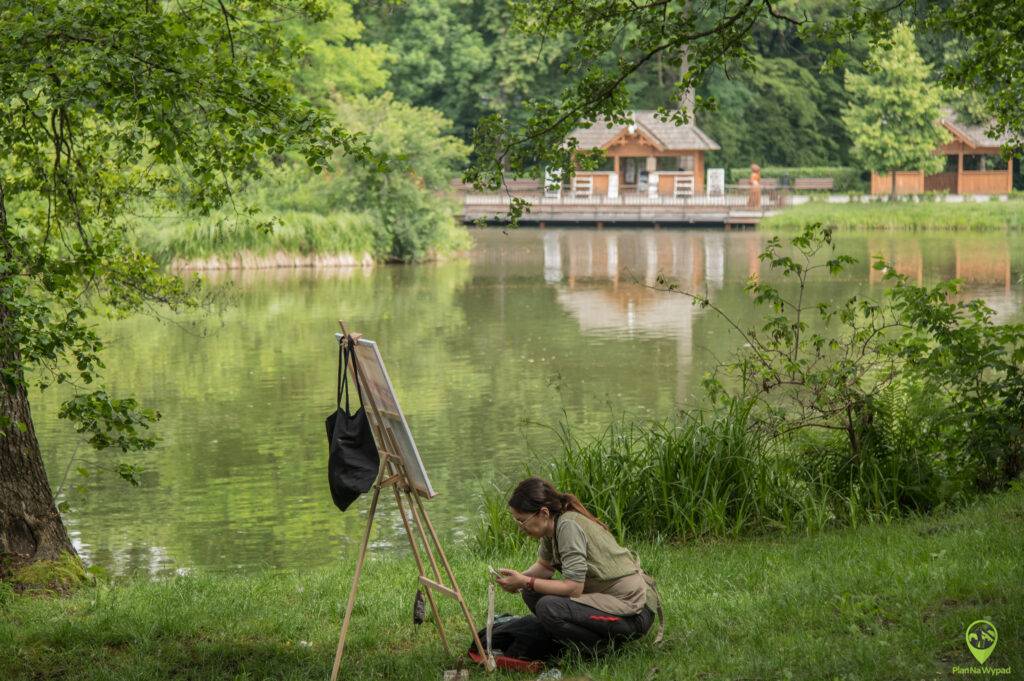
(981, 639)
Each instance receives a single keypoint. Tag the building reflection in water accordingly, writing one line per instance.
(552, 257)
(608, 280)
(984, 266)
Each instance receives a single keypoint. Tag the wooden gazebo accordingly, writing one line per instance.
(974, 165)
(646, 157)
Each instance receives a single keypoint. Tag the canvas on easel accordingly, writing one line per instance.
(376, 384)
(402, 469)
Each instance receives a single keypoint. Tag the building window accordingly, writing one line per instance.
(608, 163)
(675, 163)
(632, 166)
(995, 163)
(951, 163)
(984, 162)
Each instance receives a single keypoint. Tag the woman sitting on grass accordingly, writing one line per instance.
(603, 597)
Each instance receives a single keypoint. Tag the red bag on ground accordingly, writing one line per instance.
(510, 663)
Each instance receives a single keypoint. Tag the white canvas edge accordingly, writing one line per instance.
(430, 493)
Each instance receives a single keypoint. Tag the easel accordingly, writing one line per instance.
(392, 474)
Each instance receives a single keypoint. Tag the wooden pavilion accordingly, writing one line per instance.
(647, 157)
(974, 165)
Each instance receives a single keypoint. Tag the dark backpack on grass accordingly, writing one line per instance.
(352, 460)
(522, 636)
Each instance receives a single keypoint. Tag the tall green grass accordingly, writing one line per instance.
(224, 234)
(701, 475)
(284, 231)
(720, 474)
(902, 215)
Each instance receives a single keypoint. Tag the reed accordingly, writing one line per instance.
(292, 232)
(720, 475)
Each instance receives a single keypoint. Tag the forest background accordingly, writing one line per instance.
(417, 78)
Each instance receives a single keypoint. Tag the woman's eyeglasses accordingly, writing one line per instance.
(522, 523)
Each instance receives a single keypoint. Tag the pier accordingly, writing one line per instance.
(733, 207)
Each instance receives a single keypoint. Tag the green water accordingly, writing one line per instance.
(486, 354)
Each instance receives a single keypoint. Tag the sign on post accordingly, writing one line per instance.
(716, 181)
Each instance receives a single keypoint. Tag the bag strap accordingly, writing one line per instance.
(342, 374)
(661, 613)
(347, 354)
(355, 371)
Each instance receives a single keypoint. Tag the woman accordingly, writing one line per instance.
(603, 597)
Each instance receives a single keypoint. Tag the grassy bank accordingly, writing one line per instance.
(902, 216)
(301, 234)
(877, 602)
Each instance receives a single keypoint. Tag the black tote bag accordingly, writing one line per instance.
(352, 461)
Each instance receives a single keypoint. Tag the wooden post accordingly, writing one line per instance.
(959, 169)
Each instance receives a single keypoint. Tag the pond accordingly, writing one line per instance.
(488, 355)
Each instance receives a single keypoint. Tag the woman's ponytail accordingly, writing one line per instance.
(571, 503)
(533, 494)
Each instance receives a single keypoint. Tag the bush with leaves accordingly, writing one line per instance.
(106, 105)
(916, 398)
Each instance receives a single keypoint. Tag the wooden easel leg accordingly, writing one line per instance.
(419, 566)
(355, 584)
(409, 494)
(451, 575)
(426, 542)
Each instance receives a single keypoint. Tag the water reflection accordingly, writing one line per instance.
(535, 324)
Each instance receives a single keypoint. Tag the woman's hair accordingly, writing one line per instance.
(533, 494)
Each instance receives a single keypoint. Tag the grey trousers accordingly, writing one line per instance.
(562, 621)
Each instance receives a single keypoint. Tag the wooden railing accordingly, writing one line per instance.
(735, 196)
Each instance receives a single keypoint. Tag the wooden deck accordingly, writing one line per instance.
(733, 208)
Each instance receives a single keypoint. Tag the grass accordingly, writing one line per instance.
(291, 232)
(876, 602)
(715, 474)
(296, 232)
(926, 215)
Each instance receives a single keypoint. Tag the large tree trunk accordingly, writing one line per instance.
(30, 525)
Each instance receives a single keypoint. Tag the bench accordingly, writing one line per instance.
(813, 183)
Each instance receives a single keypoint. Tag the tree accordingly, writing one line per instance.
(106, 103)
(893, 114)
(722, 37)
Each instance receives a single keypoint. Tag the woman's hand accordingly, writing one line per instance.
(512, 581)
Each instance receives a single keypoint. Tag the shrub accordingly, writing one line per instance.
(876, 409)
(845, 179)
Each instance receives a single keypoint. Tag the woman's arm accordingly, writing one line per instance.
(556, 587)
(512, 581)
(540, 569)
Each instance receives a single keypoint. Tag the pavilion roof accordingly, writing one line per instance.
(666, 134)
(971, 134)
